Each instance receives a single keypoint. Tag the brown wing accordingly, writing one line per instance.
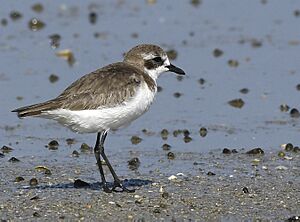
(106, 87)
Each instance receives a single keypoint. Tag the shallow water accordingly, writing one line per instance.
(270, 71)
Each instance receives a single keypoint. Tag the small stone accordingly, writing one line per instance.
(176, 132)
(36, 214)
(172, 177)
(165, 195)
(75, 153)
(209, 173)
(134, 35)
(187, 139)
(166, 147)
(35, 198)
(245, 190)
(298, 87)
(296, 149)
(135, 140)
(93, 17)
(33, 182)
(217, 53)
(38, 7)
(297, 13)
(4, 22)
(19, 179)
(201, 81)
(226, 151)
(85, 148)
(294, 113)
(53, 78)
(177, 94)
(80, 184)
(244, 90)
(281, 154)
(186, 132)
(203, 131)
(2, 155)
(284, 108)
(281, 168)
(233, 63)
(196, 3)
(70, 141)
(172, 54)
(255, 151)
(171, 156)
(15, 15)
(237, 103)
(288, 147)
(134, 163)
(35, 24)
(13, 160)
(156, 210)
(256, 43)
(6, 149)
(164, 134)
(234, 151)
(53, 145)
(159, 89)
(54, 40)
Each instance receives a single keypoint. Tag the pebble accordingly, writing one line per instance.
(165, 195)
(244, 90)
(245, 190)
(80, 184)
(6, 149)
(187, 139)
(13, 160)
(201, 81)
(38, 7)
(233, 63)
(237, 103)
(135, 140)
(75, 153)
(177, 94)
(281, 168)
(172, 54)
(171, 156)
(53, 145)
(284, 108)
(33, 182)
(15, 15)
(134, 163)
(203, 131)
(166, 147)
(85, 148)
(70, 141)
(281, 154)
(93, 17)
(288, 147)
(294, 113)
(294, 218)
(226, 151)
(255, 151)
(53, 78)
(54, 40)
(164, 134)
(2, 155)
(34, 24)
(172, 177)
(19, 179)
(217, 53)
(209, 173)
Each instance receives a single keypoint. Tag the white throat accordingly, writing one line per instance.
(155, 73)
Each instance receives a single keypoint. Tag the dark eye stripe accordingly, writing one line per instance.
(157, 59)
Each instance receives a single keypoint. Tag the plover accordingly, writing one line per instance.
(108, 98)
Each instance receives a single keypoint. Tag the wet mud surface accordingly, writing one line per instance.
(192, 156)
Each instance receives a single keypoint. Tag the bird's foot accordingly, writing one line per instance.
(119, 187)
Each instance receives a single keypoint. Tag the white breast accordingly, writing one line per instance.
(91, 121)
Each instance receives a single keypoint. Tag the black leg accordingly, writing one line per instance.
(97, 153)
(117, 181)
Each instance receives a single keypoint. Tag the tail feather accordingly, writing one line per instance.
(34, 110)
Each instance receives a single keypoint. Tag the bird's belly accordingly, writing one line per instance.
(90, 121)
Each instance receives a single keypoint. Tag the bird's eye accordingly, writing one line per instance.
(157, 59)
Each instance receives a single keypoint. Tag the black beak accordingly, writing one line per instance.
(175, 69)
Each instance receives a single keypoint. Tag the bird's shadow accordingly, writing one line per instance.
(79, 184)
